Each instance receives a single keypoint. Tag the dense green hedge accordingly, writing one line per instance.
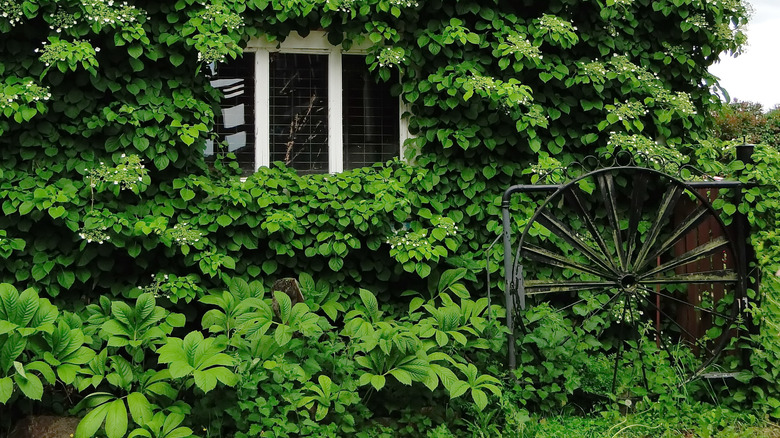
(107, 107)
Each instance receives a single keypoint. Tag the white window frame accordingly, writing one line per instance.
(314, 43)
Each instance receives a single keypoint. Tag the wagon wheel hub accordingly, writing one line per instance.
(628, 282)
(628, 255)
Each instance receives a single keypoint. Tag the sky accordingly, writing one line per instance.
(755, 75)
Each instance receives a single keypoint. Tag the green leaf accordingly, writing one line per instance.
(480, 398)
(402, 376)
(66, 279)
(378, 382)
(283, 334)
(285, 305)
(116, 419)
(224, 220)
(336, 263)
(91, 422)
(140, 408)
(176, 59)
(187, 194)
(31, 386)
(6, 389)
(370, 302)
(422, 269)
(135, 50)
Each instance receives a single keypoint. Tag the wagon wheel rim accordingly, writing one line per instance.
(637, 269)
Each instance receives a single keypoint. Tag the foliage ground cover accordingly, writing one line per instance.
(136, 277)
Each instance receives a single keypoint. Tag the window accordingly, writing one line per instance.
(308, 104)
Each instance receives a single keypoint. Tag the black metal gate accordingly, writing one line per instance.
(633, 253)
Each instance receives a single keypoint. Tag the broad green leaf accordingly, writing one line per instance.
(139, 407)
(480, 398)
(116, 419)
(31, 386)
(283, 334)
(6, 389)
(91, 422)
(377, 381)
(402, 376)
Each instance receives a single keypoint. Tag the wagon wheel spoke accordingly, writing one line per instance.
(637, 208)
(665, 208)
(621, 340)
(607, 188)
(673, 321)
(693, 255)
(690, 222)
(638, 340)
(573, 199)
(539, 254)
(564, 232)
(540, 287)
(642, 242)
(717, 276)
(686, 303)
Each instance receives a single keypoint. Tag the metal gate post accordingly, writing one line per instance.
(748, 253)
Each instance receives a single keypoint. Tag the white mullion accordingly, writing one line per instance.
(335, 111)
(403, 127)
(262, 109)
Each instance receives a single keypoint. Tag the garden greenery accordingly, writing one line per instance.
(136, 276)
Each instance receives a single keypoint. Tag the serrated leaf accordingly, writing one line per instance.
(402, 376)
(285, 305)
(283, 334)
(377, 381)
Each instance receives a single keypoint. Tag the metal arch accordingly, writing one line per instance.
(514, 270)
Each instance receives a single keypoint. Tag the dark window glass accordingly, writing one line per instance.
(234, 125)
(299, 111)
(370, 116)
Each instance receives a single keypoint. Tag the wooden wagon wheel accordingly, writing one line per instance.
(631, 256)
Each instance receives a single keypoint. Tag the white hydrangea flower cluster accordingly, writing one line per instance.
(620, 2)
(628, 314)
(698, 20)
(184, 234)
(409, 241)
(107, 12)
(536, 116)
(681, 102)
(60, 21)
(596, 71)
(446, 224)
(507, 91)
(57, 50)
(221, 14)
(545, 165)
(94, 234)
(390, 56)
(172, 287)
(128, 174)
(628, 110)
(11, 11)
(555, 24)
(404, 3)
(622, 65)
(157, 287)
(520, 44)
(345, 6)
(24, 93)
(643, 145)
